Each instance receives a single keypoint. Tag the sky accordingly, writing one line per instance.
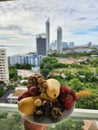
(22, 20)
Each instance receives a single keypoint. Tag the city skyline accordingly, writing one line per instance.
(22, 20)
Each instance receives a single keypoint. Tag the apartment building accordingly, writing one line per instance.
(4, 73)
(32, 59)
(41, 44)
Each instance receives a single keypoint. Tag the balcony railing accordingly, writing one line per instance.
(84, 113)
(78, 114)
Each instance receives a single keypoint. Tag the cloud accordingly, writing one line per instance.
(81, 18)
(94, 29)
(11, 27)
(21, 20)
(84, 32)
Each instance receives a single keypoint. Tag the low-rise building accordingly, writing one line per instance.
(32, 59)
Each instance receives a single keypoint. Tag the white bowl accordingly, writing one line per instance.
(47, 121)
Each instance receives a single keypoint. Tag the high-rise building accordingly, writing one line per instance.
(89, 44)
(64, 45)
(71, 45)
(53, 45)
(59, 39)
(4, 73)
(41, 44)
(47, 35)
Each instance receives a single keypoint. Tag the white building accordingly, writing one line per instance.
(36, 69)
(4, 73)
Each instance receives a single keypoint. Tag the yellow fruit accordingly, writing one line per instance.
(53, 88)
(26, 105)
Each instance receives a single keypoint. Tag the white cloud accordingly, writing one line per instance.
(30, 15)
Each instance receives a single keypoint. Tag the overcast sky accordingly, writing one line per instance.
(21, 20)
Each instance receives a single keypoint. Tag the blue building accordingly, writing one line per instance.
(32, 59)
(71, 45)
(64, 45)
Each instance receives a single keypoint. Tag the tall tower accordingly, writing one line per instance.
(47, 35)
(4, 74)
(59, 39)
(41, 44)
(71, 45)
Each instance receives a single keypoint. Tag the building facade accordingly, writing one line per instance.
(47, 35)
(53, 45)
(32, 59)
(59, 39)
(41, 44)
(4, 73)
(90, 45)
(64, 45)
(71, 45)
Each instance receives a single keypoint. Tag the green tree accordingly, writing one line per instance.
(45, 72)
(88, 75)
(13, 122)
(75, 84)
(3, 115)
(97, 70)
(2, 85)
(88, 102)
(47, 65)
(13, 74)
(68, 75)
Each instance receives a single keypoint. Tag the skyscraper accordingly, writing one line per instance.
(47, 35)
(71, 45)
(41, 44)
(64, 45)
(59, 39)
(4, 74)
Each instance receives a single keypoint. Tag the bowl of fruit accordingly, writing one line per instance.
(46, 101)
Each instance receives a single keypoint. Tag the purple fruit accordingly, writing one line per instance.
(23, 95)
(38, 114)
(46, 107)
(59, 105)
(34, 91)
